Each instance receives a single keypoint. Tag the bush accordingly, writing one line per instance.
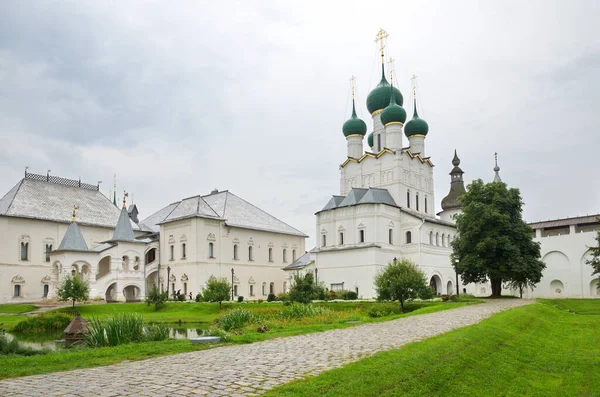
(181, 298)
(217, 290)
(121, 329)
(304, 289)
(401, 281)
(271, 298)
(444, 298)
(376, 312)
(44, 323)
(240, 299)
(283, 297)
(13, 347)
(236, 319)
(199, 297)
(347, 295)
(74, 289)
(156, 298)
(296, 310)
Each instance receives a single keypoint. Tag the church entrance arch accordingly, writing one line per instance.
(132, 293)
(449, 288)
(435, 283)
(111, 293)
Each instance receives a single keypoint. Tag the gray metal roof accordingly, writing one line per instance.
(334, 202)
(578, 220)
(378, 196)
(53, 200)
(73, 239)
(354, 197)
(123, 231)
(221, 205)
(300, 263)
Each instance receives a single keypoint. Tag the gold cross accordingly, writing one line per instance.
(352, 82)
(75, 208)
(381, 36)
(125, 195)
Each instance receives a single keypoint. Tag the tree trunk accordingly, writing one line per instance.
(521, 291)
(496, 287)
(73, 303)
(402, 305)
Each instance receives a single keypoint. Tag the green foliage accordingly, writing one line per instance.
(16, 308)
(271, 298)
(181, 298)
(199, 297)
(12, 347)
(400, 281)
(283, 297)
(74, 289)
(236, 319)
(44, 323)
(304, 289)
(221, 333)
(121, 329)
(240, 299)
(347, 295)
(217, 290)
(156, 298)
(493, 241)
(594, 261)
(376, 312)
(298, 310)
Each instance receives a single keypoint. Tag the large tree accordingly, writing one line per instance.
(494, 243)
(594, 261)
(73, 288)
(217, 290)
(401, 281)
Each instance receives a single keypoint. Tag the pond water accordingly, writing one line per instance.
(55, 340)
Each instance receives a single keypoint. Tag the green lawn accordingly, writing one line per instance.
(535, 350)
(8, 322)
(578, 306)
(16, 308)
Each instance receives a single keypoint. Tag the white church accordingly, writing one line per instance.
(51, 227)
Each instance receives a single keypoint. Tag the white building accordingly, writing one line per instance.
(42, 239)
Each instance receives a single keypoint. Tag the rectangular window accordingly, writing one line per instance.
(417, 201)
(284, 255)
(235, 252)
(408, 199)
(337, 286)
(362, 236)
(252, 290)
(17, 291)
(183, 253)
(172, 253)
(341, 238)
(425, 204)
(24, 251)
(324, 238)
(391, 236)
(211, 250)
(47, 252)
(270, 254)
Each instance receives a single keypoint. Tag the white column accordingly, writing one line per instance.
(355, 146)
(417, 144)
(393, 133)
(378, 133)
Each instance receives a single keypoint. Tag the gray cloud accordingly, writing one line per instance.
(251, 96)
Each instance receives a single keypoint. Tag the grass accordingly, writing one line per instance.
(16, 308)
(535, 350)
(7, 323)
(85, 358)
(578, 306)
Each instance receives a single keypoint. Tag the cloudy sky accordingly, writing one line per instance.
(178, 98)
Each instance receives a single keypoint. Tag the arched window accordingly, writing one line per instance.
(284, 255)
(408, 199)
(408, 237)
(24, 252)
(426, 204)
(293, 256)
(172, 252)
(417, 201)
(437, 239)
(443, 240)
(47, 252)
(250, 256)
(211, 250)
(362, 236)
(183, 251)
(251, 290)
(235, 252)
(431, 238)
(272, 288)
(324, 241)
(46, 290)
(391, 236)
(341, 238)
(270, 254)
(264, 288)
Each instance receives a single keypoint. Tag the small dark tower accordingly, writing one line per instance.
(457, 186)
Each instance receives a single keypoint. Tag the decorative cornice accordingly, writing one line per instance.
(377, 112)
(17, 280)
(351, 135)
(393, 122)
(415, 135)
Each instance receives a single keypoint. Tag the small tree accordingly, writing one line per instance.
(594, 261)
(401, 281)
(156, 298)
(73, 288)
(303, 288)
(217, 290)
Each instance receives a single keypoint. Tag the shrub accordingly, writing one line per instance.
(351, 296)
(304, 289)
(156, 333)
(13, 347)
(240, 299)
(296, 310)
(283, 297)
(74, 289)
(181, 298)
(44, 323)
(444, 298)
(224, 335)
(199, 297)
(453, 298)
(217, 290)
(271, 298)
(401, 281)
(236, 319)
(121, 329)
(156, 298)
(376, 312)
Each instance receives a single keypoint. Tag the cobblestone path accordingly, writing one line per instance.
(248, 370)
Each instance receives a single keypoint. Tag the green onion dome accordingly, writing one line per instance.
(393, 113)
(370, 140)
(416, 126)
(379, 98)
(354, 125)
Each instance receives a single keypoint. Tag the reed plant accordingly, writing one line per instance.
(299, 310)
(236, 319)
(123, 328)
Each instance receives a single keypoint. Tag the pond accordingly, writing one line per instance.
(55, 340)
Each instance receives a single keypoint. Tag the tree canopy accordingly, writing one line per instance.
(217, 290)
(594, 261)
(303, 288)
(73, 288)
(493, 242)
(401, 281)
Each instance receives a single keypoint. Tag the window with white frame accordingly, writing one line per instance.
(183, 251)
(417, 201)
(211, 250)
(284, 255)
(390, 236)
(47, 250)
(172, 253)
(408, 237)
(270, 254)
(250, 254)
(24, 251)
(341, 238)
(235, 252)
(361, 235)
